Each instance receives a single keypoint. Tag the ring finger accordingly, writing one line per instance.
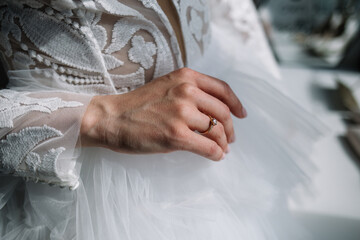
(213, 106)
(201, 123)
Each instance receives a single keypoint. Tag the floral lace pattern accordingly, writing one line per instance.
(19, 159)
(14, 104)
(16, 155)
(90, 46)
(94, 46)
(195, 20)
(98, 43)
(142, 52)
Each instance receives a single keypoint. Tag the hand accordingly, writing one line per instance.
(162, 117)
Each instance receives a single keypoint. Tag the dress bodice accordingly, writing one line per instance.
(100, 46)
(59, 53)
(58, 50)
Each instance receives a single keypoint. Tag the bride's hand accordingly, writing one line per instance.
(162, 116)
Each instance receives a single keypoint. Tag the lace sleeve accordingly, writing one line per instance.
(79, 47)
(39, 132)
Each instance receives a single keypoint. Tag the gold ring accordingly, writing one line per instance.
(213, 122)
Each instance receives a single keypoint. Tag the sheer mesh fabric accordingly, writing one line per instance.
(88, 47)
(69, 51)
(61, 57)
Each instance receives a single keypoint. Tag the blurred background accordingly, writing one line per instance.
(315, 33)
(317, 46)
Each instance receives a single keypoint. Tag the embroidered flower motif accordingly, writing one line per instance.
(142, 52)
(7, 20)
(17, 156)
(196, 25)
(100, 35)
(17, 146)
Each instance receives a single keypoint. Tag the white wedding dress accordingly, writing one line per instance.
(59, 53)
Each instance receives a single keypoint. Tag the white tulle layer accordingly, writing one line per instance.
(180, 195)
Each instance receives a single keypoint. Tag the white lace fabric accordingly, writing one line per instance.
(78, 47)
(62, 56)
(92, 47)
(39, 134)
(95, 45)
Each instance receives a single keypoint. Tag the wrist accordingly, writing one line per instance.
(90, 122)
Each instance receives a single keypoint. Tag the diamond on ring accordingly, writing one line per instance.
(213, 122)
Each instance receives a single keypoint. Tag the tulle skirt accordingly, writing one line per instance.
(181, 195)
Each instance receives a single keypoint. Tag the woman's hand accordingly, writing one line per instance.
(162, 116)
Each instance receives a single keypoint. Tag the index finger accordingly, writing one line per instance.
(223, 92)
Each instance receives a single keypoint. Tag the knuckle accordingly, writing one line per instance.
(186, 89)
(213, 149)
(185, 71)
(227, 88)
(187, 74)
(227, 113)
(227, 119)
(229, 133)
(225, 85)
(220, 129)
(221, 139)
(218, 132)
(221, 136)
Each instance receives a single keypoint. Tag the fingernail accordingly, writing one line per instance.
(227, 149)
(223, 156)
(232, 138)
(244, 112)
